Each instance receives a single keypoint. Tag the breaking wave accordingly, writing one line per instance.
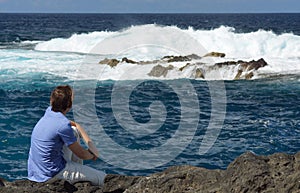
(256, 44)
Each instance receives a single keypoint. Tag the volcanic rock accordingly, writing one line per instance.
(254, 64)
(128, 61)
(176, 58)
(159, 70)
(110, 62)
(249, 172)
(214, 54)
(199, 73)
(247, 68)
(183, 67)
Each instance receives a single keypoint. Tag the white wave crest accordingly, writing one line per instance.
(81, 43)
(224, 39)
(248, 45)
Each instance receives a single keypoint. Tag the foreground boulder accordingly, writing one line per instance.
(248, 173)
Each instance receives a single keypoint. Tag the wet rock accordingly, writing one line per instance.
(193, 57)
(185, 66)
(128, 61)
(159, 70)
(249, 76)
(254, 64)
(246, 69)
(228, 63)
(110, 62)
(238, 75)
(148, 62)
(199, 73)
(176, 58)
(190, 57)
(214, 54)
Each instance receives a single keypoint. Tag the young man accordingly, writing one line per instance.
(53, 142)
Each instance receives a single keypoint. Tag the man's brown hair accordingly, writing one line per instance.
(61, 98)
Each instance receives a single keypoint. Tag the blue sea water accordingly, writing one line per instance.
(261, 115)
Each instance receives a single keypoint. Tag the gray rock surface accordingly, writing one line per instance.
(248, 173)
(214, 54)
(159, 70)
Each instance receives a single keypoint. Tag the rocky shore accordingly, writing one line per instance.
(248, 173)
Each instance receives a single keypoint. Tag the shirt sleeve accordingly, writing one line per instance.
(67, 135)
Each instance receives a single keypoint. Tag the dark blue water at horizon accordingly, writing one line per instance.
(26, 26)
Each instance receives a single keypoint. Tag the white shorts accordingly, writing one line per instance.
(75, 171)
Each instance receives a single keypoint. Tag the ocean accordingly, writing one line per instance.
(140, 123)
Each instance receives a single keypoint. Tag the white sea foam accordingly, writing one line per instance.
(16, 63)
(223, 39)
(57, 56)
(82, 43)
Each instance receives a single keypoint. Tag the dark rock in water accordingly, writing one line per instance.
(249, 76)
(110, 62)
(248, 173)
(214, 54)
(176, 58)
(165, 59)
(245, 67)
(193, 57)
(148, 62)
(254, 64)
(238, 75)
(181, 58)
(128, 61)
(159, 70)
(183, 67)
(227, 63)
(199, 73)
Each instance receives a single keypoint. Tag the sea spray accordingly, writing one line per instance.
(255, 44)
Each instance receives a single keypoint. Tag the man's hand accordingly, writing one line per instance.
(95, 157)
(93, 149)
(87, 139)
